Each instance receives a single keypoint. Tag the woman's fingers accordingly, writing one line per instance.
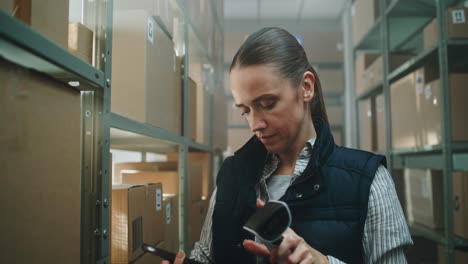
(260, 203)
(255, 248)
(180, 256)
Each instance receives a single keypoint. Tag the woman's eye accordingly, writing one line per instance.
(268, 105)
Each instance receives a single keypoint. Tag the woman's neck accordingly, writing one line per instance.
(289, 156)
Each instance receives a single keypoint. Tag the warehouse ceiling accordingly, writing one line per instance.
(294, 15)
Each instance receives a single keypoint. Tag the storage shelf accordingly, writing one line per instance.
(434, 235)
(419, 161)
(371, 40)
(195, 32)
(22, 45)
(414, 63)
(371, 92)
(418, 150)
(461, 242)
(127, 124)
(137, 136)
(460, 161)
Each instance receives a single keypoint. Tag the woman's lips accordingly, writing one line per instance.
(266, 139)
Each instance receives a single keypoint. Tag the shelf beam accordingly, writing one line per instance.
(22, 45)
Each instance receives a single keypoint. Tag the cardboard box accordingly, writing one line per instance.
(129, 167)
(362, 62)
(203, 114)
(204, 159)
(193, 106)
(80, 41)
(40, 157)
(146, 85)
(169, 179)
(405, 112)
(461, 257)
(375, 71)
(456, 26)
(363, 16)
(128, 213)
(198, 210)
(171, 219)
(237, 137)
(366, 123)
(460, 213)
(335, 115)
(337, 136)
(431, 110)
(48, 17)
(424, 197)
(332, 80)
(220, 125)
(380, 123)
(153, 224)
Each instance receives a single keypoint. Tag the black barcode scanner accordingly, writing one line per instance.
(269, 222)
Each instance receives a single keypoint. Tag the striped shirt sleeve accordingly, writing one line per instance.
(204, 245)
(386, 233)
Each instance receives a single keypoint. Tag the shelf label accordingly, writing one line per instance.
(458, 16)
(158, 200)
(168, 213)
(150, 30)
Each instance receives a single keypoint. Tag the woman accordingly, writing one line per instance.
(343, 202)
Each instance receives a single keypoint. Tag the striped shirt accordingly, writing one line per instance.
(386, 233)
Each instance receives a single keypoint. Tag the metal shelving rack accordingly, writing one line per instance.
(399, 22)
(24, 46)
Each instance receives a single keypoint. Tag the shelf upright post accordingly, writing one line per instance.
(105, 57)
(385, 37)
(183, 149)
(351, 137)
(446, 130)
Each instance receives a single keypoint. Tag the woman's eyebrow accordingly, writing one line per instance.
(261, 98)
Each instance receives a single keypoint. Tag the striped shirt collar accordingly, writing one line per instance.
(273, 161)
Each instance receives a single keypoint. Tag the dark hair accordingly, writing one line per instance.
(278, 48)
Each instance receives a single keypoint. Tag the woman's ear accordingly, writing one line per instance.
(308, 86)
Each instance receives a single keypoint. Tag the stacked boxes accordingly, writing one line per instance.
(380, 123)
(80, 41)
(362, 63)
(363, 15)
(460, 213)
(424, 197)
(193, 106)
(405, 109)
(457, 26)
(166, 174)
(146, 72)
(366, 122)
(204, 159)
(416, 108)
(41, 168)
(39, 15)
(171, 219)
(128, 213)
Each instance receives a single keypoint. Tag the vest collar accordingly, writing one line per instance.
(255, 153)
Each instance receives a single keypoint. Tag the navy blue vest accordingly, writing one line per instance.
(328, 201)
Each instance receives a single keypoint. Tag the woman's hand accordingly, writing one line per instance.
(179, 259)
(293, 249)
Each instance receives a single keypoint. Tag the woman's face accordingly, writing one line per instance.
(276, 111)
